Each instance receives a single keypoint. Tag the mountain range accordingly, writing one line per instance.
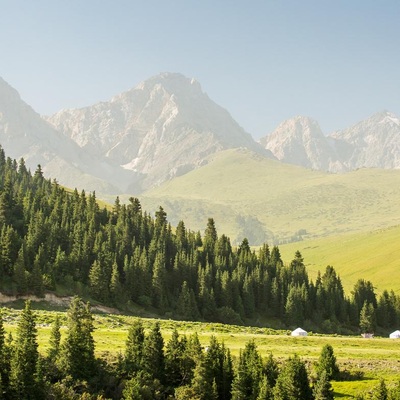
(167, 128)
(372, 143)
(163, 128)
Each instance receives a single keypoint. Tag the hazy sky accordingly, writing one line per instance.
(264, 61)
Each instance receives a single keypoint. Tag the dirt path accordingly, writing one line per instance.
(51, 298)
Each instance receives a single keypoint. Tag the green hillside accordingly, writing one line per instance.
(370, 255)
(265, 200)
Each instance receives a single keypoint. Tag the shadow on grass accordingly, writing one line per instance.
(337, 395)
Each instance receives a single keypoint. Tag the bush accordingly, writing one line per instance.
(228, 316)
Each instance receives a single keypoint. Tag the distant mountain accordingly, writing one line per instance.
(270, 201)
(23, 133)
(163, 128)
(372, 143)
(300, 141)
(166, 127)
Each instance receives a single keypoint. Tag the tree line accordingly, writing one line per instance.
(53, 239)
(148, 368)
(151, 369)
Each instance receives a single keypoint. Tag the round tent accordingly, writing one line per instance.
(395, 335)
(299, 332)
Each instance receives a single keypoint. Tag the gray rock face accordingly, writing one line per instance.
(300, 141)
(163, 128)
(374, 142)
(166, 127)
(23, 133)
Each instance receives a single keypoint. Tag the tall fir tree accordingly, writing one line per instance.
(367, 318)
(5, 353)
(55, 339)
(323, 389)
(25, 356)
(173, 360)
(153, 354)
(293, 382)
(134, 348)
(327, 363)
(246, 384)
(78, 359)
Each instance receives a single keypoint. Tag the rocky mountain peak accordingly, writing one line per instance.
(371, 143)
(300, 141)
(164, 127)
(7, 92)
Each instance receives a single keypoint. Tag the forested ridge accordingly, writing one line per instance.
(52, 239)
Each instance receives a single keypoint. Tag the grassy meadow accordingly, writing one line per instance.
(268, 201)
(370, 255)
(364, 361)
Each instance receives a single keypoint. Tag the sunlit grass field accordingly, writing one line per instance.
(370, 255)
(246, 193)
(366, 360)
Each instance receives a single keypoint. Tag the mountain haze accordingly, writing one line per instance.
(24, 134)
(267, 200)
(300, 141)
(372, 143)
(163, 128)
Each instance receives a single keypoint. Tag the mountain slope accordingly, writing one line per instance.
(300, 141)
(372, 143)
(163, 128)
(246, 193)
(371, 255)
(23, 133)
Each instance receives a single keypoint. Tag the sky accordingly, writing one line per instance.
(337, 62)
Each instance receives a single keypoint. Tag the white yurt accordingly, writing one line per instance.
(299, 332)
(395, 335)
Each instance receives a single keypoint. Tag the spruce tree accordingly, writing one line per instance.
(78, 358)
(153, 354)
(271, 370)
(20, 273)
(115, 285)
(25, 356)
(323, 389)
(367, 318)
(380, 392)
(327, 363)
(203, 388)
(228, 375)
(4, 359)
(55, 339)
(159, 289)
(36, 278)
(173, 360)
(246, 384)
(192, 351)
(134, 348)
(98, 282)
(265, 392)
(292, 382)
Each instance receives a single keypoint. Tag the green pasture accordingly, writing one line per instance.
(250, 196)
(370, 255)
(364, 360)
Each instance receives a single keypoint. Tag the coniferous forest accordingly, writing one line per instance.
(149, 368)
(53, 239)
